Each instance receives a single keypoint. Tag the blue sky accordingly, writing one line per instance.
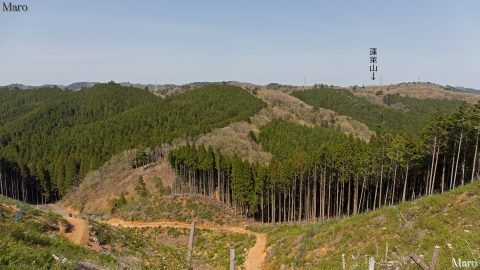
(254, 41)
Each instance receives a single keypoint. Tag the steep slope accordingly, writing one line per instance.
(36, 241)
(65, 138)
(100, 189)
(239, 139)
(39, 241)
(291, 108)
(418, 91)
(449, 220)
(379, 113)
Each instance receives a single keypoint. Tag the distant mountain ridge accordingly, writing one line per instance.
(171, 89)
(73, 86)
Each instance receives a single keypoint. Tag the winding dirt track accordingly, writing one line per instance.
(255, 256)
(79, 233)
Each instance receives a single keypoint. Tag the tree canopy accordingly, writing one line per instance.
(60, 135)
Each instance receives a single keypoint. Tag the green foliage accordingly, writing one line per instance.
(120, 202)
(141, 189)
(159, 186)
(361, 175)
(445, 219)
(18, 234)
(57, 136)
(101, 231)
(375, 116)
(423, 107)
(31, 243)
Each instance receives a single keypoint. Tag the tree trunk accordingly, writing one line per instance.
(463, 168)
(394, 183)
(375, 195)
(405, 184)
(435, 170)
(475, 157)
(458, 159)
(355, 196)
(300, 200)
(432, 165)
(443, 174)
(381, 187)
(451, 172)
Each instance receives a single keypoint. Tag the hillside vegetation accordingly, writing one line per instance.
(376, 117)
(419, 91)
(322, 173)
(37, 242)
(51, 147)
(33, 242)
(237, 138)
(449, 220)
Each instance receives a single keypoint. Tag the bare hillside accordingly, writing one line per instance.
(291, 108)
(236, 139)
(100, 189)
(417, 90)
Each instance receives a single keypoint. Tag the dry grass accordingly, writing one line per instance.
(418, 90)
(449, 220)
(100, 189)
(234, 139)
(291, 108)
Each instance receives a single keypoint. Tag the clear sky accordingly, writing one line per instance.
(61, 42)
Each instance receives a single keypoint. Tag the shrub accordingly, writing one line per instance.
(141, 189)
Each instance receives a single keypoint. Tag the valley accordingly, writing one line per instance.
(288, 177)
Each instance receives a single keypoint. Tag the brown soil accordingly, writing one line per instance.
(97, 193)
(79, 233)
(255, 256)
(290, 108)
(419, 90)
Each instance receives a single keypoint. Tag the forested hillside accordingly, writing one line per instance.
(15, 103)
(389, 234)
(50, 138)
(377, 117)
(322, 173)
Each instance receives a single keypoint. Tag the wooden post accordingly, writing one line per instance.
(371, 264)
(422, 264)
(386, 251)
(190, 243)
(419, 261)
(232, 258)
(344, 263)
(435, 254)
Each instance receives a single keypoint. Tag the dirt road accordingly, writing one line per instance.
(255, 256)
(79, 232)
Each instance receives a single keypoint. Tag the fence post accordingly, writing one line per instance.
(344, 263)
(190, 243)
(232, 258)
(422, 264)
(386, 251)
(435, 254)
(371, 264)
(419, 261)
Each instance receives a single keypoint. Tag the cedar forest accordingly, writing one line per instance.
(51, 138)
